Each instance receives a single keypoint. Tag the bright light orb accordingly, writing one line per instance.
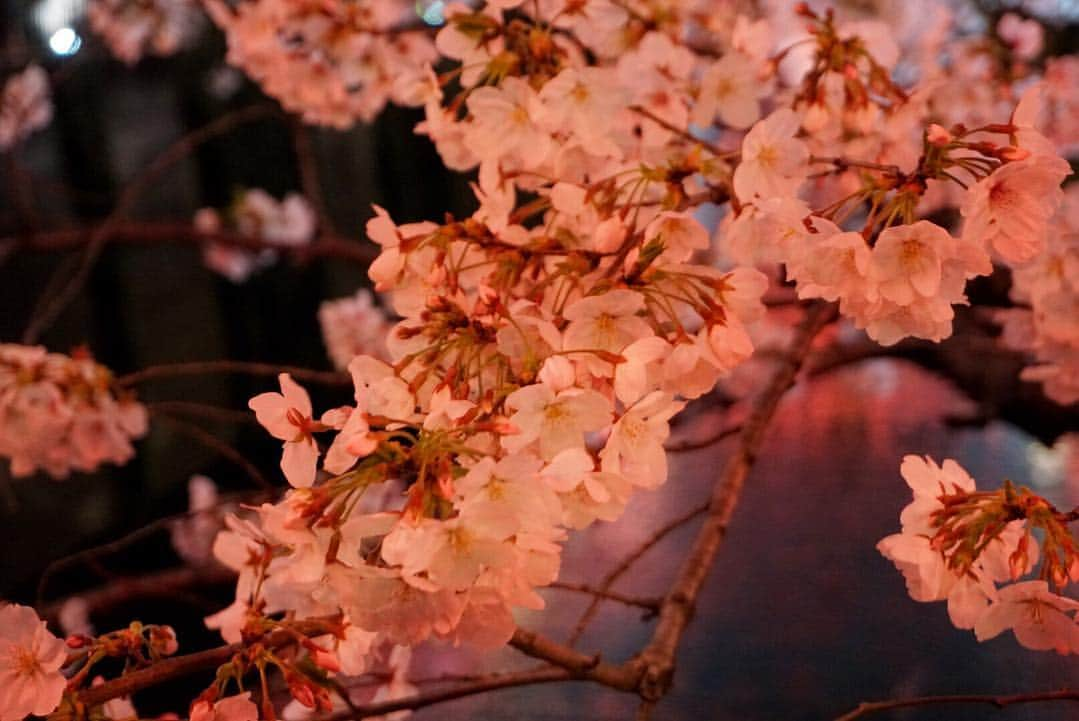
(65, 41)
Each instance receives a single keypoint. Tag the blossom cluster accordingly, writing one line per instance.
(1046, 323)
(545, 341)
(256, 214)
(545, 344)
(134, 28)
(61, 413)
(25, 105)
(333, 62)
(959, 545)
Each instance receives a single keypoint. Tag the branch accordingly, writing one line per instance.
(681, 132)
(1000, 702)
(198, 368)
(325, 245)
(624, 677)
(490, 683)
(215, 444)
(193, 662)
(92, 554)
(161, 584)
(609, 580)
(202, 410)
(50, 306)
(650, 604)
(678, 606)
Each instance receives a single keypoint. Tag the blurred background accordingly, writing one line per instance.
(801, 618)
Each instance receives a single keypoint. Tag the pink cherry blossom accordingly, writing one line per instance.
(773, 159)
(30, 661)
(1038, 617)
(287, 416)
(1010, 209)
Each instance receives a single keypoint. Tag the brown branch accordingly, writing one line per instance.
(650, 604)
(309, 175)
(198, 368)
(492, 682)
(91, 554)
(624, 677)
(678, 606)
(325, 245)
(628, 562)
(998, 701)
(178, 666)
(842, 164)
(50, 306)
(681, 132)
(697, 445)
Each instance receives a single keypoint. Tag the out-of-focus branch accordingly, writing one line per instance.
(326, 245)
(204, 411)
(200, 368)
(999, 701)
(89, 555)
(166, 584)
(50, 306)
(215, 444)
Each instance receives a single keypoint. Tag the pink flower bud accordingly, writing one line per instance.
(609, 235)
(326, 660)
(1011, 153)
(938, 136)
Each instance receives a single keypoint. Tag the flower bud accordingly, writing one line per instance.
(938, 136)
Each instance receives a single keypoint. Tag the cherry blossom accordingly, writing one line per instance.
(30, 661)
(133, 29)
(773, 159)
(1010, 209)
(1038, 617)
(287, 416)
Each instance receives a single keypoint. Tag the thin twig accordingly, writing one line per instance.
(722, 434)
(199, 368)
(681, 132)
(325, 245)
(202, 410)
(997, 701)
(548, 674)
(160, 584)
(91, 554)
(649, 604)
(627, 563)
(215, 444)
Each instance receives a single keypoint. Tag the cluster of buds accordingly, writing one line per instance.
(973, 548)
